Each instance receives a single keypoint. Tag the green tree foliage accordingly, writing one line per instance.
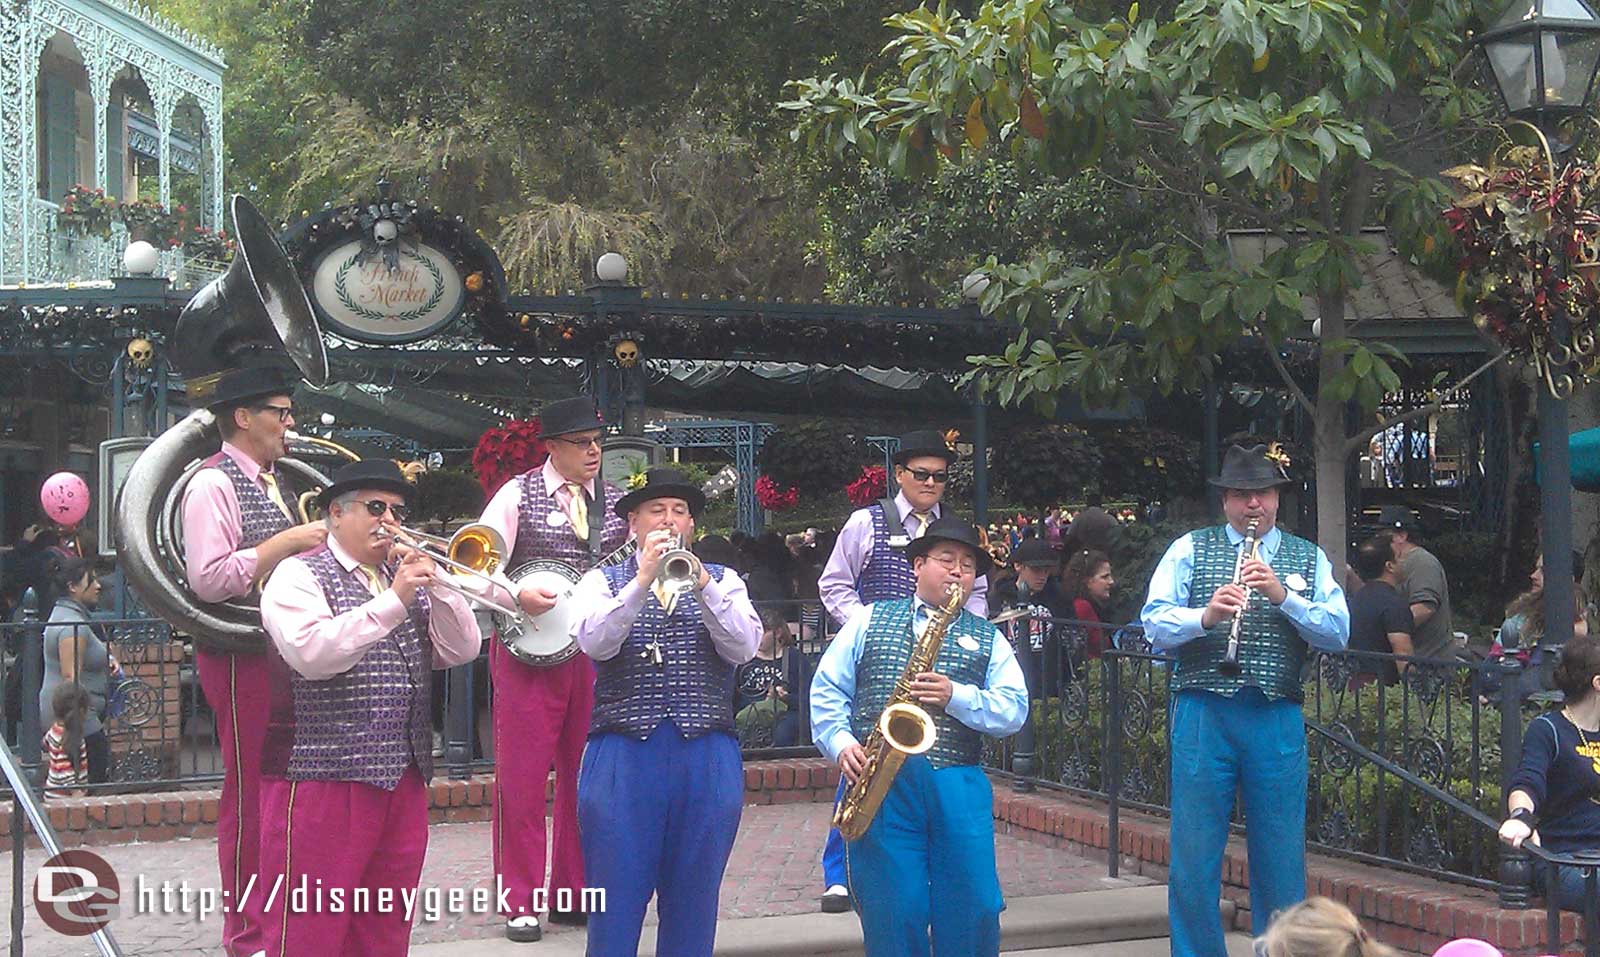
(1306, 120)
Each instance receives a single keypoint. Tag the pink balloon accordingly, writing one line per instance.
(1468, 947)
(65, 498)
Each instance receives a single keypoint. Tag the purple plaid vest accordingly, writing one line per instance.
(371, 722)
(537, 538)
(259, 519)
(887, 574)
(693, 686)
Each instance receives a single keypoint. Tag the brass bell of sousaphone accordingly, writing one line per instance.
(248, 320)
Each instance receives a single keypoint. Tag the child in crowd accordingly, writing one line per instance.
(66, 755)
(1319, 927)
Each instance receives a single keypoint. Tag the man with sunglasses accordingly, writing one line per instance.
(923, 875)
(349, 750)
(869, 564)
(559, 511)
(237, 526)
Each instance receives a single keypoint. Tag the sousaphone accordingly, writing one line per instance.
(256, 313)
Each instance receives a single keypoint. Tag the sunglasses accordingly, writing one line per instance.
(923, 475)
(285, 412)
(376, 508)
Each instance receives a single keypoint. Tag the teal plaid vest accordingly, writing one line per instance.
(1271, 651)
(885, 649)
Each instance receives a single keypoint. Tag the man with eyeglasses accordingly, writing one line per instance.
(1239, 730)
(363, 624)
(923, 875)
(869, 564)
(237, 526)
(541, 714)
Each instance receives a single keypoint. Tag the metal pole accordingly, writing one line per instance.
(32, 635)
(18, 875)
(1024, 760)
(1555, 501)
(1516, 870)
(1113, 762)
(1208, 458)
(459, 709)
(980, 461)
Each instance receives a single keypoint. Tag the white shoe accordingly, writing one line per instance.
(524, 929)
(836, 899)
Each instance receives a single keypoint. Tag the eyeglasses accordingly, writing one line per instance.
(923, 475)
(956, 564)
(376, 507)
(577, 443)
(285, 412)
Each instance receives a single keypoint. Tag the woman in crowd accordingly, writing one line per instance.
(75, 652)
(1554, 795)
(1087, 582)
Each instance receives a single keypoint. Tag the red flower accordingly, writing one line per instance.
(871, 486)
(507, 451)
(773, 498)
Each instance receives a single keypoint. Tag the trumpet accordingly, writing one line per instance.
(474, 551)
(679, 568)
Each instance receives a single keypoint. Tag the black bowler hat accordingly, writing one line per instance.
(663, 483)
(570, 415)
(380, 474)
(1035, 552)
(235, 387)
(951, 529)
(924, 442)
(1256, 467)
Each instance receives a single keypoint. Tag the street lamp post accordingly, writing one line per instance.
(1544, 55)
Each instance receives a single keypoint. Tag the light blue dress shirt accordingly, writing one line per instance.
(999, 708)
(1323, 619)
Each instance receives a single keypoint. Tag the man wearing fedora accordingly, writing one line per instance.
(1240, 731)
(1427, 590)
(923, 875)
(237, 527)
(661, 790)
(560, 510)
(362, 626)
(869, 564)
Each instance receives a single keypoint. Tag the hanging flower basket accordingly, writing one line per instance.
(151, 222)
(1529, 237)
(504, 453)
(776, 498)
(871, 486)
(86, 212)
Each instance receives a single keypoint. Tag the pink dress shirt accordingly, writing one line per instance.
(501, 515)
(319, 644)
(218, 569)
(725, 610)
(837, 585)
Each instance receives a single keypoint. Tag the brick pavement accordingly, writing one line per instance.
(774, 870)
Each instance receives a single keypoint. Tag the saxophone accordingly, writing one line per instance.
(902, 730)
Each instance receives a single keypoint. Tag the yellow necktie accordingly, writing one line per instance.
(668, 599)
(373, 579)
(923, 518)
(578, 511)
(271, 482)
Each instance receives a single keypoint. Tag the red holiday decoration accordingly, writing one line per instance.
(773, 498)
(871, 486)
(506, 452)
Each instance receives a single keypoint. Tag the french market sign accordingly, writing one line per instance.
(364, 300)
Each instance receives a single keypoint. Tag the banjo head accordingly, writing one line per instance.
(544, 640)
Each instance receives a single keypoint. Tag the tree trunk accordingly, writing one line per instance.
(1329, 439)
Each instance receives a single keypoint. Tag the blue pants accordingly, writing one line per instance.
(1220, 745)
(833, 850)
(927, 865)
(658, 817)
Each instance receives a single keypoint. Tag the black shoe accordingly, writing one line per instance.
(524, 933)
(575, 918)
(835, 903)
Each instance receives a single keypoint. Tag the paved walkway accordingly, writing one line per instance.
(774, 871)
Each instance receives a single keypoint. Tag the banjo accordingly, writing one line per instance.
(546, 640)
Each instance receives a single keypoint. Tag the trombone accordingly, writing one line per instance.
(475, 550)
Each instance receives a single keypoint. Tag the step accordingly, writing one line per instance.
(1028, 924)
(1239, 945)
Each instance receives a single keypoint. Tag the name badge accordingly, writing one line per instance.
(555, 520)
(1296, 582)
(899, 541)
(968, 642)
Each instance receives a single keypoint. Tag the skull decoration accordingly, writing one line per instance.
(141, 352)
(627, 353)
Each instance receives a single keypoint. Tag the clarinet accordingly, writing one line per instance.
(1229, 665)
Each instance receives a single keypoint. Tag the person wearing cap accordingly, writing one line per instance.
(1033, 587)
(362, 623)
(869, 564)
(237, 526)
(1427, 590)
(560, 510)
(1240, 732)
(925, 866)
(662, 787)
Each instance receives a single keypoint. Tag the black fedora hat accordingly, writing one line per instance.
(238, 386)
(570, 415)
(951, 529)
(663, 483)
(1256, 467)
(924, 442)
(380, 474)
(1036, 552)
